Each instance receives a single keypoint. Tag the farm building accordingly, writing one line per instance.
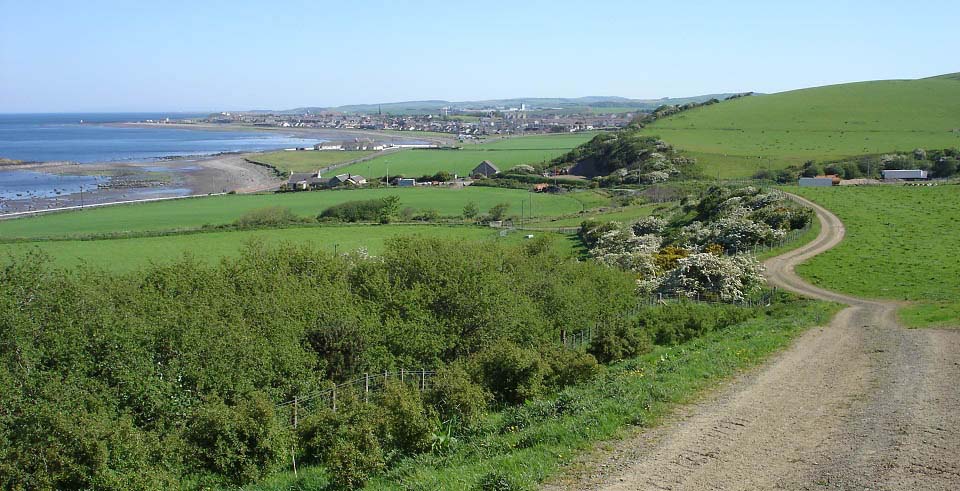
(907, 174)
(347, 179)
(304, 181)
(405, 183)
(328, 146)
(485, 169)
(819, 181)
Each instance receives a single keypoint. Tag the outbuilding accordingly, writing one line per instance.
(813, 182)
(905, 174)
(485, 169)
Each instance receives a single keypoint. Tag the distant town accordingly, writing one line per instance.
(462, 122)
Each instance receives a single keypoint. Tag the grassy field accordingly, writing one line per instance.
(902, 243)
(625, 214)
(287, 161)
(504, 153)
(632, 394)
(129, 254)
(737, 137)
(196, 212)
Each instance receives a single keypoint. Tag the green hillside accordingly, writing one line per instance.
(738, 137)
(948, 76)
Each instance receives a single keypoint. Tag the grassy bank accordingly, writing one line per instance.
(120, 255)
(901, 244)
(525, 446)
(307, 161)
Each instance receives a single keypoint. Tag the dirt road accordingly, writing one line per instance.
(859, 404)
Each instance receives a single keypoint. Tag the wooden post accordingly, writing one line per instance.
(334, 399)
(401, 376)
(423, 379)
(366, 387)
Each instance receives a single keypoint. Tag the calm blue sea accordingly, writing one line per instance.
(52, 137)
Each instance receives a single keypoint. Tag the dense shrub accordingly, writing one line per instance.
(346, 441)
(713, 276)
(267, 217)
(170, 374)
(408, 425)
(511, 373)
(354, 211)
(616, 339)
(568, 367)
(457, 397)
(674, 324)
(241, 443)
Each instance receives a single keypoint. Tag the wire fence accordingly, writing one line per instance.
(364, 387)
(764, 299)
(788, 238)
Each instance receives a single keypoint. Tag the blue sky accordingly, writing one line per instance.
(230, 55)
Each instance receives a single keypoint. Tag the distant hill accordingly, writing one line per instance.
(948, 76)
(738, 137)
(598, 103)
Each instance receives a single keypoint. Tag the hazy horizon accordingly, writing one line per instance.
(110, 56)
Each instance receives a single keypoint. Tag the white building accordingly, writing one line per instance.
(909, 174)
(811, 182)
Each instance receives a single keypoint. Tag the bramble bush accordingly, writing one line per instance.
(272, 216)
(170, 374)
(456, 396)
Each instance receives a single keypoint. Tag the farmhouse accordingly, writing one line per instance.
(348, 180)
(485, 169)
(905, 174)
(304, 181)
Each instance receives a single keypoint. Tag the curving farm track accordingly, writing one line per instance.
(860, 404)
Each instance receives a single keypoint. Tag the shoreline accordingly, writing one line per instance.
(319, 133)
(138, 181)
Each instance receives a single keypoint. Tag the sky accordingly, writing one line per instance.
(86, 56)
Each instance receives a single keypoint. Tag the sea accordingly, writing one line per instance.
(85, 138)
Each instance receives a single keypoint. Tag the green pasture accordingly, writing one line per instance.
(504, 153)
(561, 141)
(130, 254)
(625, 214)
(196, 212)
(740, 136)
(902, 243)
(306, 161)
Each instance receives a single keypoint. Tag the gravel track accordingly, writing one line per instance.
(860, 404)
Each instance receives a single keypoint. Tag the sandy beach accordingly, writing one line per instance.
(170, 177)
(188, 176)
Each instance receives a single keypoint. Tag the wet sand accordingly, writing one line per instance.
(144, 180)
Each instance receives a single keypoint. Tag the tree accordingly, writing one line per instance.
(810, 169)
(499, 211)
(470, 210)
(391, 206)
(944, 167)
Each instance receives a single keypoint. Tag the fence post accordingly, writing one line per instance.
(293, 448)
(423, 379)
(366, 387)
(334, 399)
(401, 376)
